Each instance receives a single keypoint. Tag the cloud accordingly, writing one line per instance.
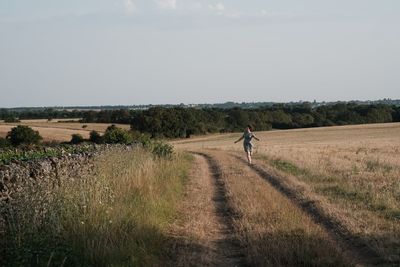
(219, 7)
(166, 4)
(129, 7)
(197, 5)
(221, 10)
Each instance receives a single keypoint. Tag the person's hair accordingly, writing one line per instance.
(249, 126)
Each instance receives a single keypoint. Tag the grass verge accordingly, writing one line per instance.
(116, 217)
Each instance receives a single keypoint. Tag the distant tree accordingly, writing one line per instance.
(302, 120)
(237, 119)
(11, 120)
(396, 114)
(281, 120)
(95, 137)
(90, 116)
(77, 139)
(23, 135)
(380, 115)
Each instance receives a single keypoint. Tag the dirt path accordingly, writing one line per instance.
(203, 234)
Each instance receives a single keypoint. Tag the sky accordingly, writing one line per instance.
(127, 52)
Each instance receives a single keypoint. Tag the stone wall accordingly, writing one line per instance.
(15, 176)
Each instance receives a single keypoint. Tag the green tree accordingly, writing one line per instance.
(302, 120)
(23, 135)
(76, 139)
(95, 137)
(115, 135)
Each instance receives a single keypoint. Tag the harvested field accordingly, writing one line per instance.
(59, 130)
(345, 180)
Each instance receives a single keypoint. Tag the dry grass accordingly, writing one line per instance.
(57, 130)
(355, 169)
(271, 229)
(116, 217)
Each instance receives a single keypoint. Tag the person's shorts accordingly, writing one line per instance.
(248, 147)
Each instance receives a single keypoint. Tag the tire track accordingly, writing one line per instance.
(204, 234)
(360, 253)
(228, 246)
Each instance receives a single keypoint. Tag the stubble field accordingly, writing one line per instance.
(346, 179)
(59, 130)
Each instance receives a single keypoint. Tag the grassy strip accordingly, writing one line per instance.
(116, 217)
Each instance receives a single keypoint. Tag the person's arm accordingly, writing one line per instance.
(241, 138)
(255, 137)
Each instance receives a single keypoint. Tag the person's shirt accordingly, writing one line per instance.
(247, 137)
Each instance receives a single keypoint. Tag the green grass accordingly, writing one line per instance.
(346, 194)
(115, 217)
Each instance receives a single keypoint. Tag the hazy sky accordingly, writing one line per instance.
(92, 52)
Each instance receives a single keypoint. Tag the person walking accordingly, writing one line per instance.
(247, 136)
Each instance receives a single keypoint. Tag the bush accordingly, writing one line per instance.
(95, 137)
(11, 120)
(164, 150)
(4, 143)
(23, 135)
(114, 135)
(76, 139)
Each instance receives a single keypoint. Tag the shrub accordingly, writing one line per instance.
(76, 139)
(164, 150)
(114, 135)
(11, 120)
(4, 143)
(84, 126)
(95, 137)
(23, 135)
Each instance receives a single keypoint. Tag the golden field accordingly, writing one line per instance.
(59, 130)
(350, 172)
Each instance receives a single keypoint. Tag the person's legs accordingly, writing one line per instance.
(249, 156)
(250, 153)
(248, 150)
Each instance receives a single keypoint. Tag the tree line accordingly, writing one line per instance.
(175, 122)
(184, 122)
